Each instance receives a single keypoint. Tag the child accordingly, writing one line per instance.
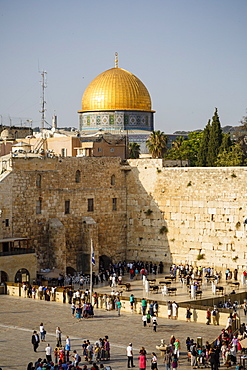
(154, 321)
(144, 319)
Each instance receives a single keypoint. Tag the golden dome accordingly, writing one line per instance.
(116, 89)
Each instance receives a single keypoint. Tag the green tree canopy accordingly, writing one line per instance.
(203, 147)
(134, 150)
(231, 157)
(241, 136)
(215, 140)
(157, 144)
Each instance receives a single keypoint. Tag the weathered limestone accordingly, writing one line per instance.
(139, 210)
(204, 210)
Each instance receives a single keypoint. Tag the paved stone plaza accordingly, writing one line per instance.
(20, 316)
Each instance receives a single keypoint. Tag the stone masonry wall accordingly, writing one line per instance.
(57, 186)
(203, 209)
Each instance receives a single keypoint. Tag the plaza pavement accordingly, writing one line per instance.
(20, 316)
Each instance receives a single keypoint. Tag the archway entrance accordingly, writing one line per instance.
(22, 276)
(70, 271)
(104, 261)
(3, 277)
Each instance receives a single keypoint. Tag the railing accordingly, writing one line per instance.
(17, 251)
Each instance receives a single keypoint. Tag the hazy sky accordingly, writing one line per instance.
(190, 54)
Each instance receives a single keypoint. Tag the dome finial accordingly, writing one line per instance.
(116, 60)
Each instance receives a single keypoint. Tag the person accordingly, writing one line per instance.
(176, 347)
(35, 341)
(142, 360)
(42, 332)
(169, 309)
(144, 306)
(30, 366)
(154, 322)
(148, 318)
(132, 302)
(48, 352)
(59, 337)
(129, 350)
(76, 358)
(119, 305)
(154, 361)
(188, 314)
(174, 310)
(144, 320)
(168, 358)
(208, 316)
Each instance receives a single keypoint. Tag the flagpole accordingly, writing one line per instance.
(91, 273)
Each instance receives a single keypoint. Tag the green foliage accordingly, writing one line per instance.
(134, 150)
(163, 230)
(158, 170)
(200, 257)
(189, 183)
(203, 148)
(215, 140)
(231, 158)
(241, 134)
(157, 144)
(186, 148)
(238, 224)
(148, 212)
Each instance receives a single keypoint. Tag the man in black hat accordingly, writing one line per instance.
(35, 341)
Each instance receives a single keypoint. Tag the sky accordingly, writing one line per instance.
(190, 54)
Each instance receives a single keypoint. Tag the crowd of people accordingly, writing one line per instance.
(223, 351)
(62, 357)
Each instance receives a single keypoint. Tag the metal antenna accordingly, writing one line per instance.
(116, 60)
(43, 102)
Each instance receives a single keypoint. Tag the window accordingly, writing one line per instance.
(99, 149)
(7, 222)
(112, 150)
(38, 181)
(67, 207)
(78, 176)
(90, 206)
(38, 207)
(114, 204)
(113, 180)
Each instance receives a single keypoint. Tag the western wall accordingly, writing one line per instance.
(187, 215)
(182, 214)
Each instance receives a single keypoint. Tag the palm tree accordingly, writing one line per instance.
(134, 150)
(157, 144)
(177, 145)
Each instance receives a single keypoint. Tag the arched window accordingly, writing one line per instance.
(113, 180)
(38, 181)
(78, 176)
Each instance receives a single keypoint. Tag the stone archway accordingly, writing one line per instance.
(70, 271)
(22, 276)
(3, 277)
(104, 261)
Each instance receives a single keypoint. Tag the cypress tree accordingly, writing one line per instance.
(215, 140)
(203, 148)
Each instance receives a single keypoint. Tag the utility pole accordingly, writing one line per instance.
(43, 102)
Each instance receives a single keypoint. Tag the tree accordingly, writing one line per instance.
(134, 150)
(203, 148)
(226, 143)
(157, 144)
(231, 157)
(241, 136)
(215, 140)
(177, 145)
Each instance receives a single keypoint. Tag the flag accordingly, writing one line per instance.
(93, 258)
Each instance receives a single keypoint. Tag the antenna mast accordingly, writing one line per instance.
(43, 102)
